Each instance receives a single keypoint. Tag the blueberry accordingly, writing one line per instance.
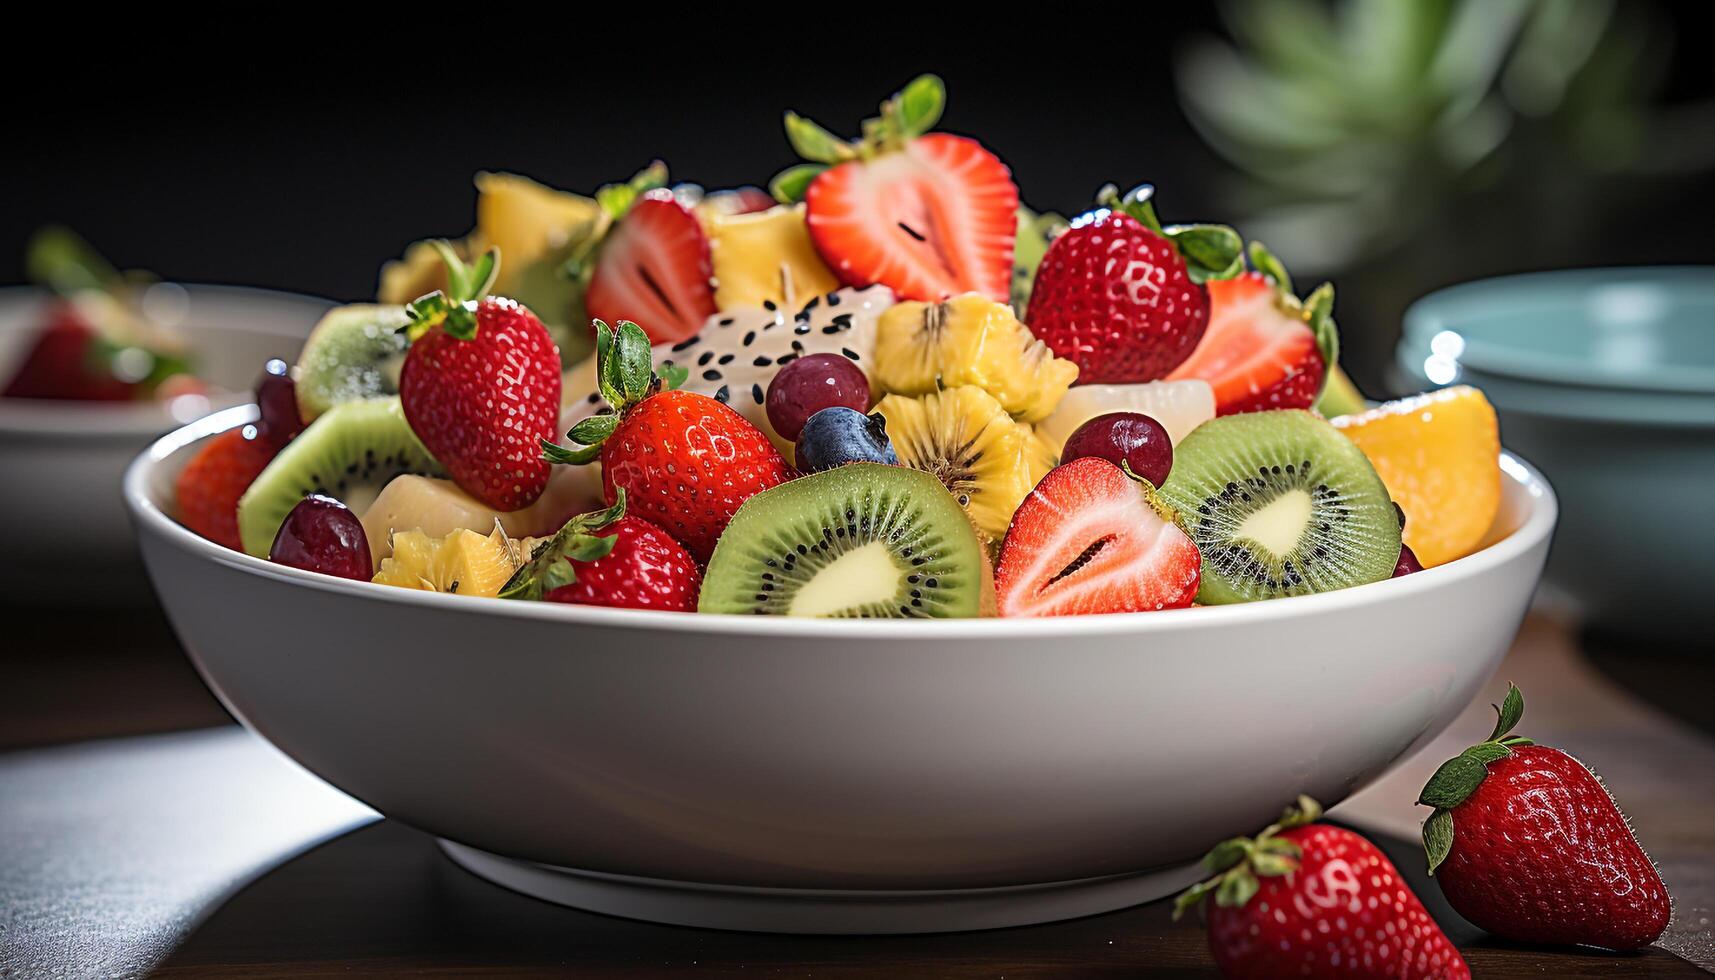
(839, 435)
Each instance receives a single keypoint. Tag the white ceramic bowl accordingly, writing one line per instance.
(61, 462)
(816, 776)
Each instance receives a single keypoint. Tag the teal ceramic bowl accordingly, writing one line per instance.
(1606, 379)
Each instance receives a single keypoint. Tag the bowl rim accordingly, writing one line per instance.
(149, 519)
(1423, 319)
(87, 422)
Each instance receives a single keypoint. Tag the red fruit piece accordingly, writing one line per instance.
(655, 270)
(1090, 539)
(1260, 351)
(321, 534)
(606, 558)
(209, 486)
(935, 218)
(1528, 844)
(1407, 563)
(1310, 899)
(1117, 299)
(685, 461)
(481, 387)
(67, 362)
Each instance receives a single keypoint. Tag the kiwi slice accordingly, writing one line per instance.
(1280, 503)
(861, 540)
(349, 453)
(354, 352)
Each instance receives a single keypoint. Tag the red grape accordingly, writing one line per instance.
(277, 397)
(323, 535)
(1124, 438)
(810, 384)
(1408, 562)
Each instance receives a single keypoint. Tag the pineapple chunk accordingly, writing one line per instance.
(766, 256)
(464, 562)
(970, 339)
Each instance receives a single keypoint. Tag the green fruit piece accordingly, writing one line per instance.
(1281, 503)
(1340, 396)
(355, 352)
(862, 540)
(349, 453)
(1035, 232)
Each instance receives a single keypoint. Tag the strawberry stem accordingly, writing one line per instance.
(626, 376)
(1240, 862)
(454, 309)
(1458, 777)
(550, 565)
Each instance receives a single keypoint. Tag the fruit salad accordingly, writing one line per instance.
(101, 338)
(882, 388)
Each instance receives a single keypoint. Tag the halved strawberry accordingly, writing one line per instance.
(929, 215)
(1090, 539)
(1264, 348)
(654, 269)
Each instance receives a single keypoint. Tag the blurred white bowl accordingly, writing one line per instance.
(66, 535)
(834, 776)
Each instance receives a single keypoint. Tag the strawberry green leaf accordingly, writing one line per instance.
(550, 564)
(673, 376)
(61, 260)
(1512, 741)
(1508, 712)
(1135, 202)
(919, 104)
(592, 430)
(616, 200)
(1319, 314)
(790, 185)
(1451, 784)
(1193, 896)
(1227, 854)
(814, 143)
(1270, 865)
(1210, 251)
(561, 456)
(607, 375)
(1302, 811)
(1264, 261)
(1438, 838)
(1237, 887)
(1487, 752)
(632, 362)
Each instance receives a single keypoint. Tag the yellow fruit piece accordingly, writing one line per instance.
(985, 458)
(1439, 455)
(969, 340)
(464, 562)
(766, 256)
(527, 220)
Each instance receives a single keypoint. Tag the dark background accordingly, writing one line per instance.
(302, 162)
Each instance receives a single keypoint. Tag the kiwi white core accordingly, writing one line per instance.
(1279, 524)
(860, 576)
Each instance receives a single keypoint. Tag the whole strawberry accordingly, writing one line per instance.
(686, 461)
(1123, 297)
(481, 385)
(606, 558)
(1310, 899)
(1528, 844)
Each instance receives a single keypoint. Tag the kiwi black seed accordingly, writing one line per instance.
(354, 352)
(1281, 503)
(862, 540)
(349, 453)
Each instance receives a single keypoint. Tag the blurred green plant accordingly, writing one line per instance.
(1354, 124)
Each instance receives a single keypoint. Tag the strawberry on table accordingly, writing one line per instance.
(1123, 296)
(1092, 539)
(1264, 348)
(1528, 844)
(607, 558)
(1309, 899)
(481, 385)
(930, 215)
(686, 461)
(653, 266)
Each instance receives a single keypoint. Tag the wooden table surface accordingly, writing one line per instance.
(206, 854)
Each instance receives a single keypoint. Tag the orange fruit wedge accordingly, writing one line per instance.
(1439, 454)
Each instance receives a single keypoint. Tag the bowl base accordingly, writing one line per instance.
(817, 911)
